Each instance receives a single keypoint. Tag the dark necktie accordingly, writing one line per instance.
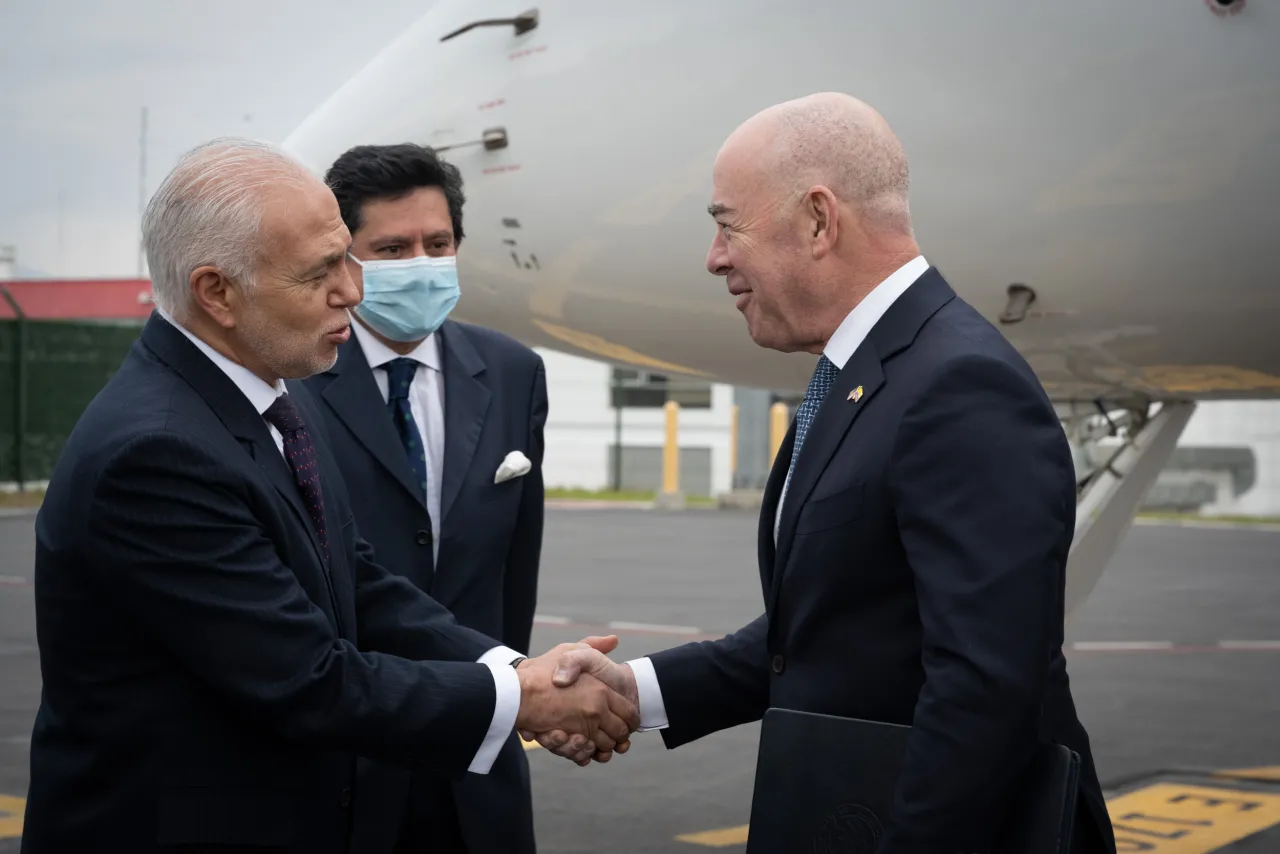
(824, 375)
(399, 379)
(300, 453)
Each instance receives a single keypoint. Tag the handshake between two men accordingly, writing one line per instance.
(577, 703)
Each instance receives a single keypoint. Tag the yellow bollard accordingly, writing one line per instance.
(779, 423)
(671, 450)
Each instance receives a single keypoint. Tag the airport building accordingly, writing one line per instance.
(1244, 436)
(1227, 462)
(596, 409)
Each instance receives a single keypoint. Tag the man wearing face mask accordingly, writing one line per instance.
(437, 427)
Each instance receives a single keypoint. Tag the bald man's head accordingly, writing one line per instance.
(832, 140)
(811, 203)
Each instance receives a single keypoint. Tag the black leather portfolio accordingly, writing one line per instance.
(825, 785)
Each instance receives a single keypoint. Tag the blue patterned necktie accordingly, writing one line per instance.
(301, 455)
(399, 379)
(824, 375)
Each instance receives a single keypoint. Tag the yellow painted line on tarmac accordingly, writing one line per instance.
(11, 812)
(1170, 818)
(529, 745)
(1163, 818)
(717, 838)
(1267, 774)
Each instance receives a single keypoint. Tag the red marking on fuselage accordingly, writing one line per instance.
(521, 54)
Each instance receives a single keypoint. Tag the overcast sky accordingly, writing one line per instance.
(75, 74)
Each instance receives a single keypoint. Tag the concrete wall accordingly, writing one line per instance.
(580, 431)
(642, 469)
(1251, 424)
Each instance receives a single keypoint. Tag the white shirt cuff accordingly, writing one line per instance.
(505, 708)
(653, 712)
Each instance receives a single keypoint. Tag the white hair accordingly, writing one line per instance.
(208, 212)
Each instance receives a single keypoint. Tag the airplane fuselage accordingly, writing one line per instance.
(1121, 160)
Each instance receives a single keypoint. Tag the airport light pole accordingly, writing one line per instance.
(142, 189)
(617, 432)
(62, 231)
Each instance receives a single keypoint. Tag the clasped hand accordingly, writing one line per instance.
(577, 703)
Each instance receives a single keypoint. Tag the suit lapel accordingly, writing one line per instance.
(233, 409)
(353, 395)
(834, 418)
(766, 549)
(466, 402)
(894, 332)
(267, 456)
(308, 407)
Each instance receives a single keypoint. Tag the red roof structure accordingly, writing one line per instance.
(78, 299)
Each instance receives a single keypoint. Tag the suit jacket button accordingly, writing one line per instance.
(345, 798)
(779, 664)
(424, 538)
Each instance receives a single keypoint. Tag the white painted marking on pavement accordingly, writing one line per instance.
(623, 626)
(1249, 644)
(1110, 646)
(551, 621)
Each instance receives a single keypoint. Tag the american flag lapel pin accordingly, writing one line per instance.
(856, 394)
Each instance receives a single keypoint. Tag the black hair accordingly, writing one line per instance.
(372, 172)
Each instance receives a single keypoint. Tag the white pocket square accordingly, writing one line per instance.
(515, 465)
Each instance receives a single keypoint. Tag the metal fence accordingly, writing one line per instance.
(49, 372)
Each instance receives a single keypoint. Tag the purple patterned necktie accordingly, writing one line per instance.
(283, 415)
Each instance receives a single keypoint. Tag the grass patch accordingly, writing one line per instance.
(33, 497)
(30, 498)
(1197, 517)
(636, 495)
(570, 494)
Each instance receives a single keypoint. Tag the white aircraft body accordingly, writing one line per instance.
(1101, 178)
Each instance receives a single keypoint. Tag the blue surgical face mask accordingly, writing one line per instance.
(407, 300)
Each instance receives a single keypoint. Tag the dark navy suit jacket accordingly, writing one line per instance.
(208, 681)
(917, 578)
(490, 543)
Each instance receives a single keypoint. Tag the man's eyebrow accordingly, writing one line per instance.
(329, 260)
(717, 209)
(389, 239)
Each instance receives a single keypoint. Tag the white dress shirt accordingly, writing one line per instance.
(261, 395)
(847, 338)
(426, 404)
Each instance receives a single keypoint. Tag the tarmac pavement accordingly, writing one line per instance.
(1174, 662)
